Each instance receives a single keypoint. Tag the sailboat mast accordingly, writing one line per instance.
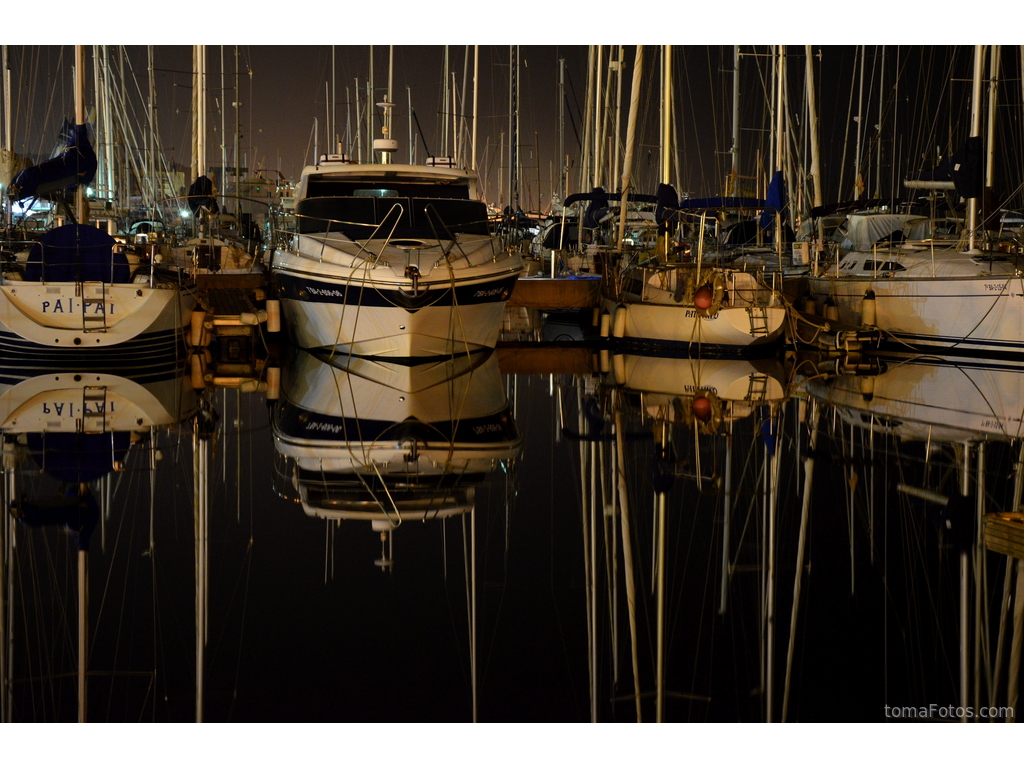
(476, 80)
(627, 168)
(732, 188)
(81, 211)
(972, 202)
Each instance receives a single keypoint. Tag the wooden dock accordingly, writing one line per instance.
(557, 292)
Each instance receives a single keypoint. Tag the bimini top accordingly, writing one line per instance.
(335, 178)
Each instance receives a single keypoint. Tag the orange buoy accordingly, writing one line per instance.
(703, 297)
(701, 408)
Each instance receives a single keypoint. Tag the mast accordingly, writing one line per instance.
(81, 209)
(627, 168)
(561, 126)
(7, 141)
(223, 137)
(476, 80)
(858, 182)
(812, 109)
(513, 141)
(666, 125)
(732, 188)
(972, 202)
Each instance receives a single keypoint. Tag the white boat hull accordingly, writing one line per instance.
(674, 325)
(358, 313)
(134, 317)
(962, 314)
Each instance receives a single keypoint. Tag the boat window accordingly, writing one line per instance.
(362, 217)
(327, 187)
(883, 266)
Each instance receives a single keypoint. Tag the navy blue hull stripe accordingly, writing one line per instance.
(358, 294)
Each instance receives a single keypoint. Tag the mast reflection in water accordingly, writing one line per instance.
(673, 539)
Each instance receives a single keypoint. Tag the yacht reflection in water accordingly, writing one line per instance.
(64, 434)
(390, 442)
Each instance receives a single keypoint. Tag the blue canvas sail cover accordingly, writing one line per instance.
(77, 253)
(77, 457)
(775, 200)
(200, 195)
(598, 205)
(78, 514)
(967, 168)
(75, 165)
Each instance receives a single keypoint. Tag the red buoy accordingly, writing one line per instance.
(701, 408)
(704, 297)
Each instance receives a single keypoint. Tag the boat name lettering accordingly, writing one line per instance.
(325, 291)
(995, 287)
(694, 313)
(64, 306)
(489, 292)
(68, 409)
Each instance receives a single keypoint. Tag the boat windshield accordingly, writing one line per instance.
(359, 217)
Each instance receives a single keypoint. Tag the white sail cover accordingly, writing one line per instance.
(863, 230)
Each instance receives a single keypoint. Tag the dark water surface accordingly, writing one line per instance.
(303, 624)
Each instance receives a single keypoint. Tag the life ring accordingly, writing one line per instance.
(707, 299)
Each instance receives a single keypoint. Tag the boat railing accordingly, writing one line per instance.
(339, 226)
(42, 262)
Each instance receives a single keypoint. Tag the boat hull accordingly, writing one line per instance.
(676, 326)
(387, 318)
(134, 318)
(982, 314)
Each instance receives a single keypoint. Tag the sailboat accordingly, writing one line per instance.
(673, 298)
(75, 288)
(392, 260)
(922, 281)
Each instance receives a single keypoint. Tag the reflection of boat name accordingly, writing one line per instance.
(320, 426)
(991, 424)
(59, 408)
(693, 388)
(68, 305)
(484, 428)
(694, 313)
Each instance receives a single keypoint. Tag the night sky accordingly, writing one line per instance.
(283, 88)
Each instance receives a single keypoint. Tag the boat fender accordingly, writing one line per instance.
(867, 388)
(810, 305)
(867, 309)
(273, 316)
(273, 383)
(606, 322)
(619, 368)
(198, 371)
(603, 361)
(195, 336)
(619, 324)
(708, 298)
(831, 310)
